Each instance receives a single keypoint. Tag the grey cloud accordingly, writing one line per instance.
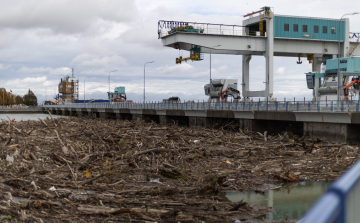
(66, 16)
(93, 61)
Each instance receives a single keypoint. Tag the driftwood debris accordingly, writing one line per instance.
(101, 170)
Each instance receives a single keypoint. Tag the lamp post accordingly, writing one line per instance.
(210, 59)
(339, 55)
(109, 79)
(84, 87)
(144, 77)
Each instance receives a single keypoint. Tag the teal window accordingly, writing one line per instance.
(324, 29)
(316, 29)
(333, 30)
(296, 27)
(305, 28)
(286, 27)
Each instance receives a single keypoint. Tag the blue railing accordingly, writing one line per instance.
(329, 106)
(340, 203)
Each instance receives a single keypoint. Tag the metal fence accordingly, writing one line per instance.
(341, 201)
(168, 27)
(329, 106)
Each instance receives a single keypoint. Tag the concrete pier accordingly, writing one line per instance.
(337, 127)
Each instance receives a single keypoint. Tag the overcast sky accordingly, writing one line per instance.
(40, 41)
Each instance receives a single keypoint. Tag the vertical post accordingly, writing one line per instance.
(210, 65)
(338, 70)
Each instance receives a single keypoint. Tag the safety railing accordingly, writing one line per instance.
(354, 37)
(169, 27)
(340, 203)
(166, 28)
(313, 106)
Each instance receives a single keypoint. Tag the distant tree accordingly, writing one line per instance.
(2, 96)
(30, 99)
(10, 98)
(19, 100)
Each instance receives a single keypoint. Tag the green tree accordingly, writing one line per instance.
(19, 100)
(30, 99)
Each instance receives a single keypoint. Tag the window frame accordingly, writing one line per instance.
(304, 29)
(297, 28)
(325, 29)
(316, 29)
(333, 30)
(286, 27)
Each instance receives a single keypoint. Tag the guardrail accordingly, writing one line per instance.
(354, 37)
(340, 203)
(168, 27)
(329, 106)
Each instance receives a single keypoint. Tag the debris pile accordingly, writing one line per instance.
(93, 170)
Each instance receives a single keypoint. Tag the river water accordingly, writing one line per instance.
(26, 116)
(292, 200)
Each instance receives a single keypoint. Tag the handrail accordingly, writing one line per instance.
(164, 28)
(340, 202)
(299, 106)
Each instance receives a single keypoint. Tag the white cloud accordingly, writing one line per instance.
(93, 61)
(176, 69)
(3, 67)
(49, 70)
(68, 16)
(31, 80)
(280, 70)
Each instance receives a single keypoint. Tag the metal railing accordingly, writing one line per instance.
(328, 106)
(168, 27)
(354, 37)
(341, 201)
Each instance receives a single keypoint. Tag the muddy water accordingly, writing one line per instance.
(25, 117)
(292, 200)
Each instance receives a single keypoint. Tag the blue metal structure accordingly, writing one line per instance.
(348, 64)
(341, 201)
(308, 28)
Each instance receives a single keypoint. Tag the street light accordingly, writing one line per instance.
(210, 59)
(144, 77)
(109, 80)
(339, 55)
(84, 87)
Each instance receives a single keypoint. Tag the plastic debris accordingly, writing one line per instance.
(9, 217)
(196, 141)
(10, 158)
(227, 161)
(87, 173)
(52, 188)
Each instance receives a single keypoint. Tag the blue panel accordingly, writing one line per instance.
(280, 21)
(349, 64)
